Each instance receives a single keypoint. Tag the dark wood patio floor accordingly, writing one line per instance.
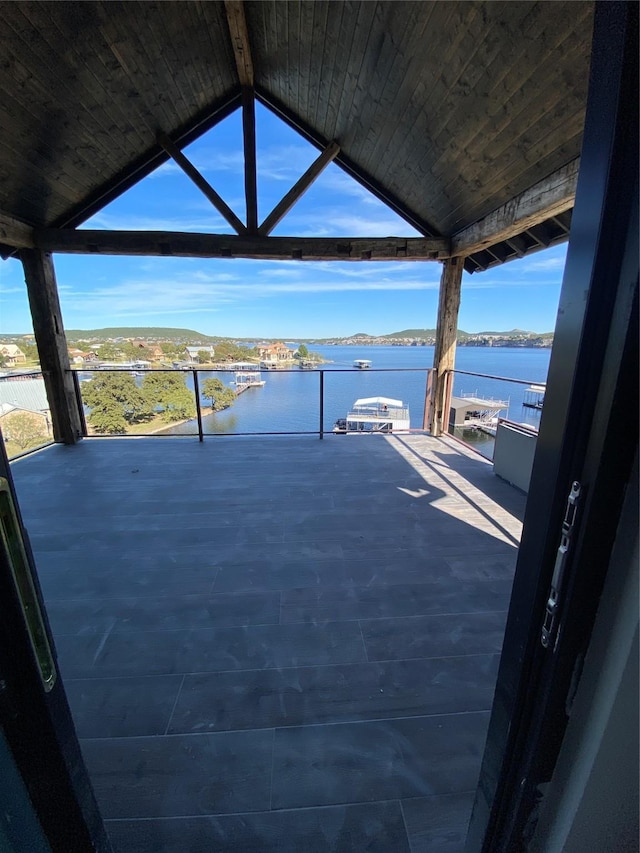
(276, 644)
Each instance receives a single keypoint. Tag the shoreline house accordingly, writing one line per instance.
(12, 354)
(193, 353)
(271, 355)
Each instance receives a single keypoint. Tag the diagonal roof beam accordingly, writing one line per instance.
(545, 199)
(240, 41)
(203, 185)
(367, 181)
(299, 188)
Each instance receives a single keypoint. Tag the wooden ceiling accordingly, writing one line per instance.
(445, 110)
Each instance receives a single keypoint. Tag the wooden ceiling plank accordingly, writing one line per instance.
(499, 73)
(178, 244)
(548, 112)
(547, 198)
(240, 41)
(473, 142)
(410, 62)
(299, 188)
(42, 55)
(15, 233)
(203, 185)
(518, 172)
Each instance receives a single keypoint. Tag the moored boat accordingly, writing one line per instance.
(374, 415)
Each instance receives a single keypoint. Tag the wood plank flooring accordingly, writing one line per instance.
(276, 644)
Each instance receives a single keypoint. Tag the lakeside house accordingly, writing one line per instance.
(12, 354)
(193, 353)
(272, 355)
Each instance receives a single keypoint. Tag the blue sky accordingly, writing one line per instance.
(243, 298)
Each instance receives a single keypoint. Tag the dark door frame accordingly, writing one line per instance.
(588, 434)
(36, 721)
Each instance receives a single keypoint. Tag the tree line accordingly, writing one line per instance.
(116, 401)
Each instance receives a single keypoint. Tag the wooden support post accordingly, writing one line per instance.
(40, 278)
(444, 356)
(250, 167)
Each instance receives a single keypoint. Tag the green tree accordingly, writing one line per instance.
(31, 352)
(221, 397)
(172, 350)
(115, 401)
(204, 357)
(26, 429)
(108, 351)
(302, 352)
(169, 392)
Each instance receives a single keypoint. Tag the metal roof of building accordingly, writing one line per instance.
(27, 394)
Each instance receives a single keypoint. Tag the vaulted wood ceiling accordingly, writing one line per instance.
(446, 110)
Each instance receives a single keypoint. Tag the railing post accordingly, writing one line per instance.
(196, 389)
(426, 418)
(321, 404)
(448, 393)
(76, 388)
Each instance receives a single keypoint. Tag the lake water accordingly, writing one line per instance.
(290, 400)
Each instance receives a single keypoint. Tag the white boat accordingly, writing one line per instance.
(362, 363)
(374, 414)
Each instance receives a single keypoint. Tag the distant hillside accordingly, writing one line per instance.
(462, 335)
(413, 333)
(143, 332)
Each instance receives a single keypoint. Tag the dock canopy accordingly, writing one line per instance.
(378, 401)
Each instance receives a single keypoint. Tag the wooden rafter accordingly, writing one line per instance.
(299, 188)
(179, 244)
(203, 185)
(545, 199)
(240, 41)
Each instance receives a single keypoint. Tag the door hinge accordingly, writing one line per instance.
(551, 611)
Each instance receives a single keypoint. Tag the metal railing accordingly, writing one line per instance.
(193, 382)
(481, 440)
(198, 422)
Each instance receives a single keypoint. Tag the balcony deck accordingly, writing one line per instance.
(276, 644)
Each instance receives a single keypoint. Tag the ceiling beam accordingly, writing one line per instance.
(203, 185)
(15, 233)
(545, 199)
(189, 245)
(299, 188)
(240, 41)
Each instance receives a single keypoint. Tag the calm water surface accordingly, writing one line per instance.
(290, 401)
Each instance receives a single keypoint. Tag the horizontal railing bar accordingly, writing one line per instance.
(260, 370)
(500, 378)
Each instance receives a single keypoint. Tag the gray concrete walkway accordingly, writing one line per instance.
(276, 644)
